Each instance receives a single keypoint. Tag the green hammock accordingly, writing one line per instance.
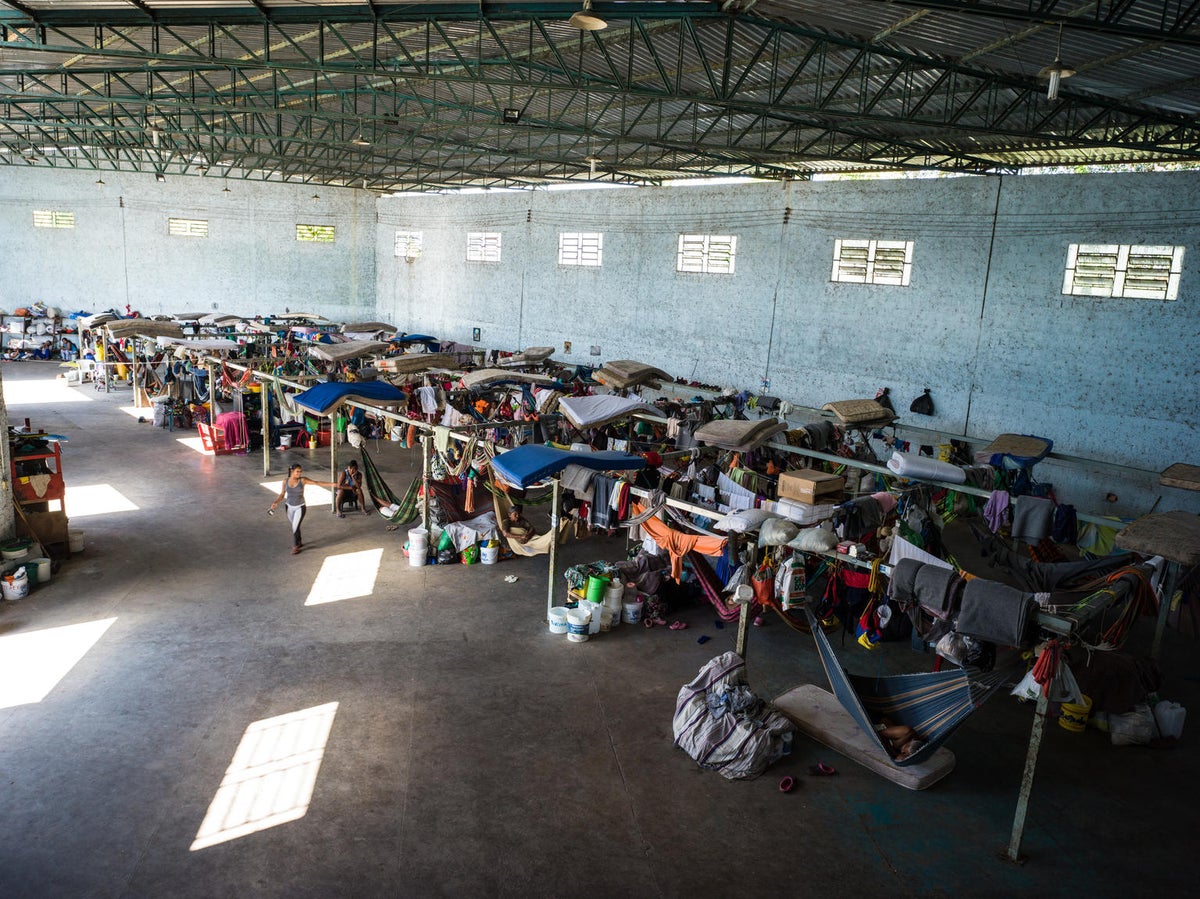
(383, 498)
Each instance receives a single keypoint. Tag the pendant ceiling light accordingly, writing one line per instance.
(1056, 71)
(586, 20)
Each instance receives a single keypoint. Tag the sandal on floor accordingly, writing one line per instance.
(785, 785)
(677, 625)
(295, 550)
(820, 769)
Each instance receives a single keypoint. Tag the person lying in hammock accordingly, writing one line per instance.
(517, 527)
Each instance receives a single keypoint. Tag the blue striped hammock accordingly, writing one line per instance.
(932, 704)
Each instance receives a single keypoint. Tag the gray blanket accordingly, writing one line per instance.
(994, 612)
(1031, 518)
(904, 577)
(934, 589)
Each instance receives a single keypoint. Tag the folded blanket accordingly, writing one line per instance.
(1031, 517)
(904, 578)
(910, 465)
(994, 612)
(934, 590)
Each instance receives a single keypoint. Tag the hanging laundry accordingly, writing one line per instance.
(677, 543)
(996, 511)
(1031, 518)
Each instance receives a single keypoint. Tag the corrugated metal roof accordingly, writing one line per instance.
(323, 90)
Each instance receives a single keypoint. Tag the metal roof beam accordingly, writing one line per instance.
(1177, 17)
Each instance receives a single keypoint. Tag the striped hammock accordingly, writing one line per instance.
(933, 704)
(382, 497)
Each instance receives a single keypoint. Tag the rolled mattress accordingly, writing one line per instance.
(910, 465)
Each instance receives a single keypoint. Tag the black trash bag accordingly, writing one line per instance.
(922, 405)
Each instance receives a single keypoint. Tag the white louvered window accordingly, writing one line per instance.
(1123, 270)
(483, 246)
(409, 244)
(53, 218)
(580, 248)
(187, 227)
(316, 233)
(709, 254)
(872, 261)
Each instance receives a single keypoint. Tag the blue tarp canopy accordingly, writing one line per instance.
(324, 398)
(533, 462)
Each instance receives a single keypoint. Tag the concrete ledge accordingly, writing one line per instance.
(819, 715)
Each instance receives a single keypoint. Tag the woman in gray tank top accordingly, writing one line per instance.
(291, 494)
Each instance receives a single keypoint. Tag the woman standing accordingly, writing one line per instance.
(291, 494)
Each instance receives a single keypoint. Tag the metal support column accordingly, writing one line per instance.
(746, 603)
(137, 397)
(265, 405)
(106, 361)
(333, 461)
(1035, 743)
(426, 442)
(1170, 579)
(554, 504)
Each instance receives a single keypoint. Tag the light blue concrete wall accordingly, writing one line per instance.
(119, 251)
(983, 322)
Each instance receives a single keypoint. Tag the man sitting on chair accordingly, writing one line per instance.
(349, 487)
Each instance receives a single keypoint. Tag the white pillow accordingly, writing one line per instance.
(745, 520)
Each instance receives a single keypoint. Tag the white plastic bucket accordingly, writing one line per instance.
(558, 619)
(489, 552)
(614, 594)
(18, 549)
(76, 541)
(577, 625)
(418, 547)
(606, 620)
(16, 585)
(43, 569)
(285, 439)
(631, 612)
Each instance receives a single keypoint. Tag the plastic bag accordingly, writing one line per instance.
(922, 405)
(1134, 728)
(1027, 687)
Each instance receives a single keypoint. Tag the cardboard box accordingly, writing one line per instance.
(48, 527)
(806, 485)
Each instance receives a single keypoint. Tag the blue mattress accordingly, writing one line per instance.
(324, 398)
(529, 464)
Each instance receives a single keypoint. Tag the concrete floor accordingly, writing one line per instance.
(471, 752)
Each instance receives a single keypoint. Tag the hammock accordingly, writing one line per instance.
(535, 546)
(933, 705)
(382, 497)
(711, 585)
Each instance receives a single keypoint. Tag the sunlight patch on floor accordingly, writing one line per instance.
(50, 392)
(145, 412)
(97, 499)
(32, 664)
(196, 444)
(271, 778)
(345, 576)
